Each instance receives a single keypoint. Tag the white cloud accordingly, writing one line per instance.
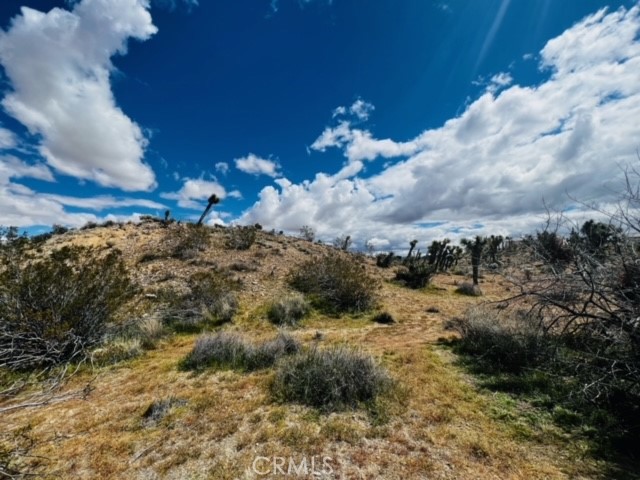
(22, 206)
(58, 64)
(360, 145)
(12, 167)
(195, 192)
(361, 109)
(102, 202)
(339, 111)
(488, 169)
(255, 165)
(500, 80)
(7, 139)
(222, 167)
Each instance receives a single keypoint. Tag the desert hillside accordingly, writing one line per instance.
(134, 409)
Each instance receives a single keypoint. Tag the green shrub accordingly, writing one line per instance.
(212, 301)
(330, 379)
(190, 241)
(384, 260)
(55, 309)
(241, 238)
(337, 283)
(289, 310)
(228, 350)
(503, 343)
(416, 273)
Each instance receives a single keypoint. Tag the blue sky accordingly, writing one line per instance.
(386, 120)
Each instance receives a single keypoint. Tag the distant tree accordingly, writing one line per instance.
(493, 247)
(213, 200)
(343, 242)
(307, 233)
(598, 235)
(475, 248)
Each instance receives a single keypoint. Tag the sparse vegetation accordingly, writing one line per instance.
(503, 342)
(336, 283)
(241, 237)
(159, 409)
(227, 350)
(415, 272)
(211, 302)
(190, 241)
(307, 233)
(288, 310)
(330, 379)
(384, 260)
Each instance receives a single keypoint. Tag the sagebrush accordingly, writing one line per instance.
(336, 283)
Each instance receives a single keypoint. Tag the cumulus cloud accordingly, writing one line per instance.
(58, 65)
(360, 144)
(255, 165)
(488, 169)
(195, 191)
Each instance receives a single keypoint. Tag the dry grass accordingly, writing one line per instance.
(437, 426)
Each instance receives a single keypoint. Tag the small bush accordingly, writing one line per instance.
(221, 349)
(266, 354)
(55, 309)
(289, 310)
(159, 409)
(89, 226)
(469, 289)
(553, 248)
(337, 284)
(212, 301)
(384, 260)
(503, 343)
(416, 273)
(58, 229)
(190, 241)
(384, 317)
(241, 238)
(330, 379)
(227, 350)
(150, 330)
(116, 351)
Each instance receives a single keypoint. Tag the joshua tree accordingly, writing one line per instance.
(475, 247)
(213, 200)
(493, 247)
(412, 244)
